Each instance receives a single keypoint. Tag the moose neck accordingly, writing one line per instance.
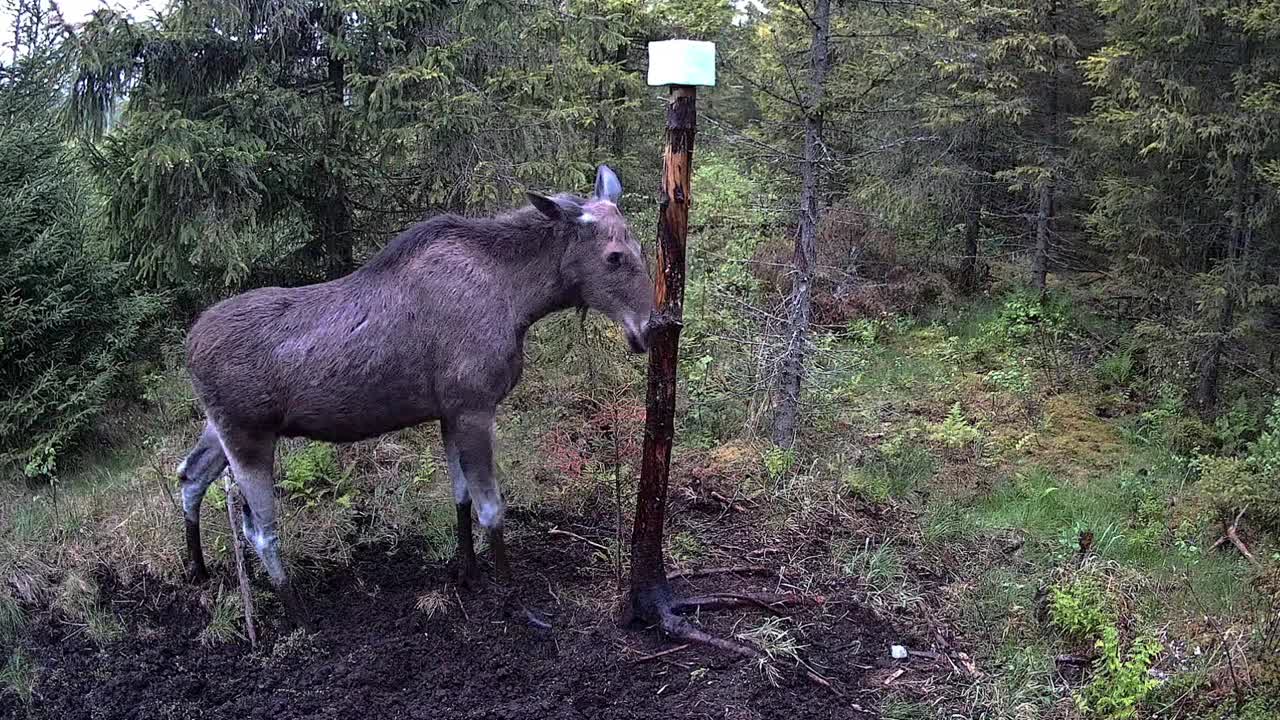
(537, 287)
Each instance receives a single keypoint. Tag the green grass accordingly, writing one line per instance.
(900, 369)
(11, 618)
(19, 674)
(882, 569)
(898, 708)
(224, 619)
(78, 600)
(892, 471)
(685, 546)
(1000, 602)
(1052, 512)
(945, 522)
(439, 529)
(1023, 684)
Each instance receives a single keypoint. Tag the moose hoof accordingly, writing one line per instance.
(296, 610)
(467, 575)
(197, 574)
(502, 573)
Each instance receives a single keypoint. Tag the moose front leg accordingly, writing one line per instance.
(469, 438)
(467, 570)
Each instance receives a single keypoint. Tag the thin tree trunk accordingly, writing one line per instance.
(1210, 363)
(1044, 217)
(335, 212)
(235, 516)
(799, 303)
(969, 271)
(1208, 386)
(1040, 267)
(617, 97)
(969, 263)
(17, 32)
(340, 257)
(650, 595)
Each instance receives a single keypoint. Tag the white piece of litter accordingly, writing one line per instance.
(898, 652)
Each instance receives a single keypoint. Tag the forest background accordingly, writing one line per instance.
(996, 282)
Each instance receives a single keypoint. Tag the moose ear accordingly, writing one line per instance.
(559, 209)
(608, 186)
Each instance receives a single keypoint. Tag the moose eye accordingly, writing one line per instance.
(614, 259)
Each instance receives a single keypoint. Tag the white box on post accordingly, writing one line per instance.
(682, 62)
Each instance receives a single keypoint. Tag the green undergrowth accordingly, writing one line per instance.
(1065, 527)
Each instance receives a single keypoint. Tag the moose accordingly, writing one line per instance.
(432, 327)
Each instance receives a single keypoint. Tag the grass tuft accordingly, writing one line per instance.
(778, 642)
(224, 620)
(431, 603)
(20, 675)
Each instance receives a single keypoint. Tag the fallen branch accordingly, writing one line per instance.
(1231, 534)
(728, 503)
(926, 654)
(823, 682)
(534, 620)
(664, 653)
(237, 547)
(817, 677)
(1244, 549)
(575, 536)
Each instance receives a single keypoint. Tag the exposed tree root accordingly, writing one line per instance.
(730, 570)
(659, 608)
(725, 601)
(677, 628)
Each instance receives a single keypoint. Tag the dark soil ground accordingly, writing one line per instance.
(377, 654)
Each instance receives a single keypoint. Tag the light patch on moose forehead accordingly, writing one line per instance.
(596, 210)
(608, 214)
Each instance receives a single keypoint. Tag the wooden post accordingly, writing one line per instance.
(650, 590)
(681, 65)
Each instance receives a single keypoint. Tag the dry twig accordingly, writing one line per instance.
(246, 594)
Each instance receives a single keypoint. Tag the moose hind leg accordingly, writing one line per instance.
(252, 467)
(203, 465)
(473, 436)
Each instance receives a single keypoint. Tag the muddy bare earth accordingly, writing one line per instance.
(549, 649)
